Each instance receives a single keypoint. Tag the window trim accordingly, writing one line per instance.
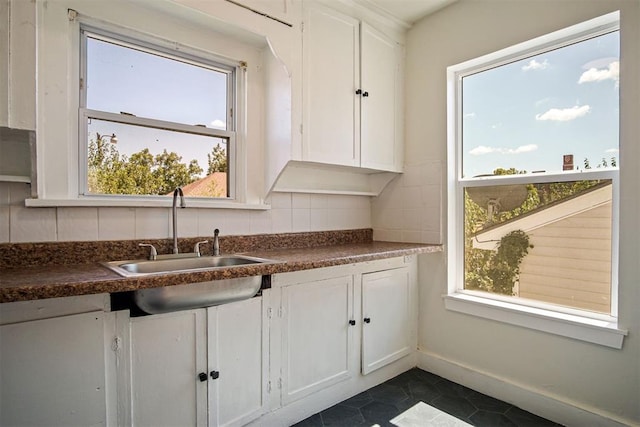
(56, 106)
(568, 322)
(155, 47)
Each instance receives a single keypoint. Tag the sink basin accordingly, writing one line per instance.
(194, 295)
(181, 264)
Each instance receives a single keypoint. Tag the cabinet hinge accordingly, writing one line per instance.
(280, 383)
(116, 344)
(269, 313)
(81, 83)
(268, 386)
(302, 26)
(280, 312)
(301, 129)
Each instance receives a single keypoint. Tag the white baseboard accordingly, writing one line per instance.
(545, 405)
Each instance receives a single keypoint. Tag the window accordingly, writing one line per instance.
(533, 174)
(153, 119)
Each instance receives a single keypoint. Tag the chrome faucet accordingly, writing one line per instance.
(216, 243)
(176, 192)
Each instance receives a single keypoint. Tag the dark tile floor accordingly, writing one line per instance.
(419, 399)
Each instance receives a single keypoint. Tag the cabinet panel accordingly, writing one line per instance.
(52, 372)
(167, 353)
(317, 337)
(386, 304)
(235, 331)
(380, 69)
(331, 77)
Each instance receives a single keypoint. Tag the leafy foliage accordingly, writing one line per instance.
(109, 172)
(217, 160)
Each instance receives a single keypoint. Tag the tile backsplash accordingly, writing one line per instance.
(290, 212)
(410, 207)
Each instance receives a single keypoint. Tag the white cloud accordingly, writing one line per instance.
(612, 150)
(524, 149)
(535, 65)
(565, 114)
(482, 150)
(218, 124)
(612, 72)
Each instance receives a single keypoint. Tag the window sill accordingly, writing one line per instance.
(602, 332)
(138, 203)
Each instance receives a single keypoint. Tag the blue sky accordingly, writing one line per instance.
(126, 80)
(529, 113)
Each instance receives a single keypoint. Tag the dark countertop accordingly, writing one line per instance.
(30, 282)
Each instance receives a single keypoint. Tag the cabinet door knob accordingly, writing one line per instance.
(367, 320)
(214, 375)
(202, 376)
(358, 92)
(365, 93)
(352, 322)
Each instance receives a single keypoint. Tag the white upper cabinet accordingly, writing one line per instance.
(351, 92)
(381, 81)
(331, 62)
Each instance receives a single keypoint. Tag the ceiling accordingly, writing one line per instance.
(408, 11)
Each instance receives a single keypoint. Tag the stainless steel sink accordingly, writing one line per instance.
(174, 264)
(194, 295)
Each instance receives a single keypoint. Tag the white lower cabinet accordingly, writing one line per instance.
(199, 367)
(317, 339)
(337, 331)
(168, 352)
(54, 371)
(386, 315)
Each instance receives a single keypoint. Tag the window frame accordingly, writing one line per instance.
(569, 322)
(166, 50)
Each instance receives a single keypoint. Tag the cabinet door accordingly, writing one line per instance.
(380, 72)
(316, 336)
(386, 312)
(52, 372)
(330, 78)
(236, 350)
(168, 351)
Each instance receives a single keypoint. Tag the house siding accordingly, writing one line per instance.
(570, 262)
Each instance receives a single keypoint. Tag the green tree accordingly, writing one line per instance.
(169, 172)
(217, 160)
(109, 172)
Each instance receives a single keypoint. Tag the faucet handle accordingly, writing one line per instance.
(153, 254)
(216, 243)
(196, 248)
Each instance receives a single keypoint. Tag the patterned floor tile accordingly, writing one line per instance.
(417, 398)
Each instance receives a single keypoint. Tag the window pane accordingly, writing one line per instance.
(548, 242)
(530, 114)
(123, 79)
(148, 161)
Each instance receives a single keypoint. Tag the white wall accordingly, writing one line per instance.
(561, 378)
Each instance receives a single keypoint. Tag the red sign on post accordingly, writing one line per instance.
(567, 162)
